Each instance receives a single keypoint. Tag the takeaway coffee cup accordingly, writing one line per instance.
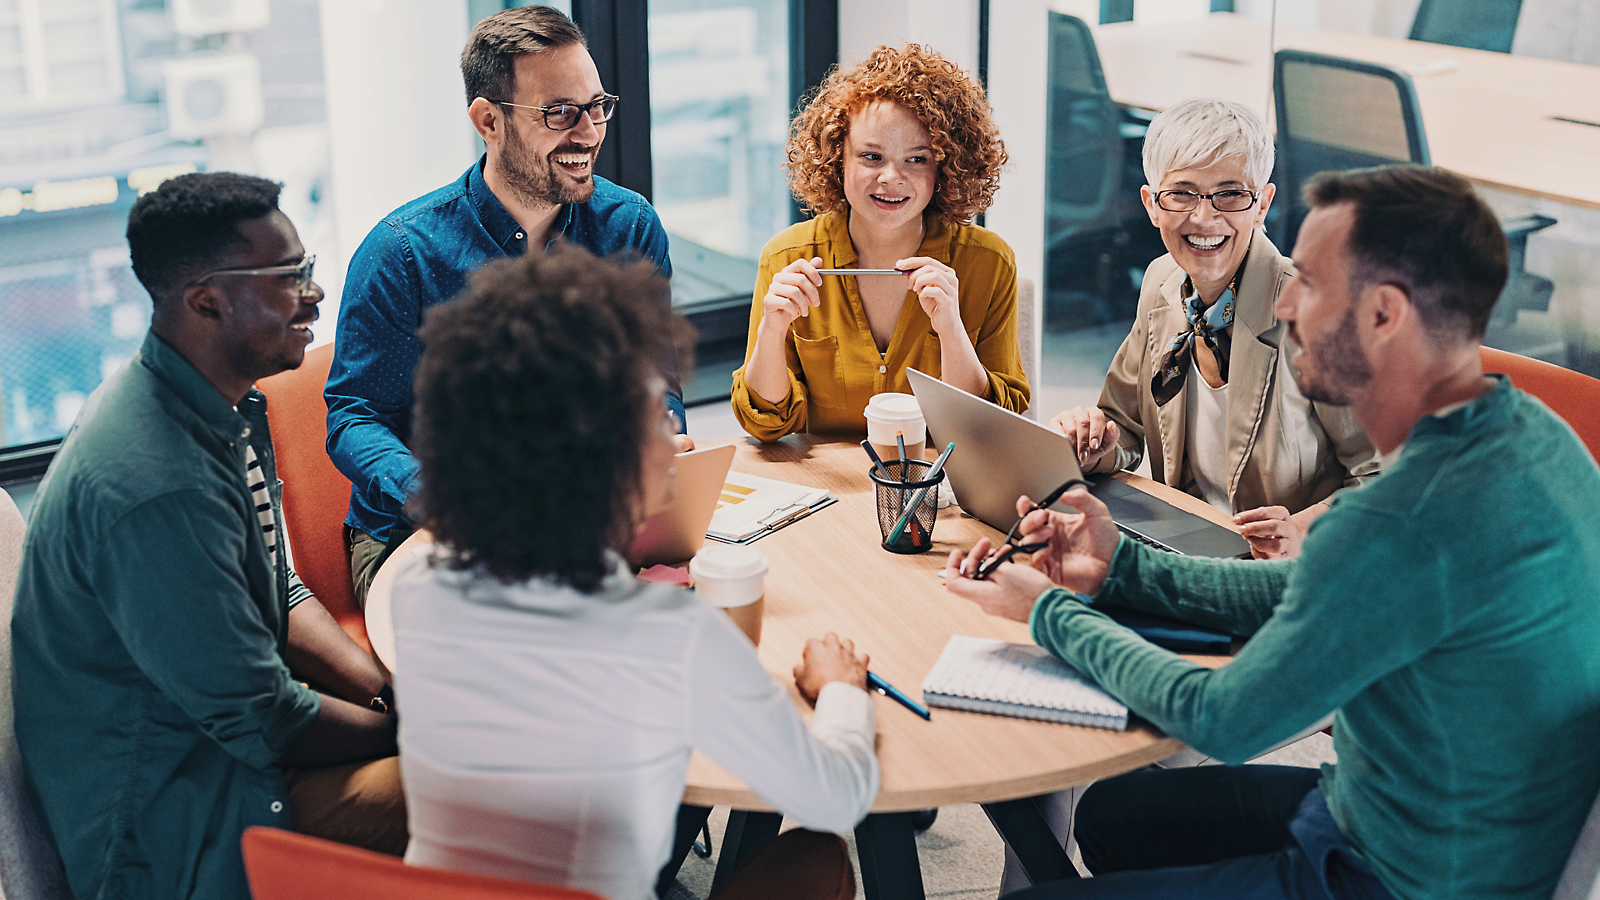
(732, 576)
(887, 413)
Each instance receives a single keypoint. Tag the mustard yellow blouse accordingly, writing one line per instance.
(834, 366)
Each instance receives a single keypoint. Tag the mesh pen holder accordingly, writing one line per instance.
(920, 495)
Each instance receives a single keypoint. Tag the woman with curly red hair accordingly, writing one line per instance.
(893, 158)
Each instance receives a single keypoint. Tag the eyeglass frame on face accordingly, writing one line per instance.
(1254, 196)
(582, 110)
(302, 269)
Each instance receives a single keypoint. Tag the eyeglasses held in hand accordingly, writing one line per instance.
(300, 270)
(564, 116)
(1221, 201)
(1012, 543)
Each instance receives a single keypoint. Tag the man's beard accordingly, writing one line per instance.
(535, 179)
(1341, 365)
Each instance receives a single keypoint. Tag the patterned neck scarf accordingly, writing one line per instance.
(1208, 325)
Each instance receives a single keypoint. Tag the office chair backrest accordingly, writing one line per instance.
(316, 495)
(1573, 396)
(282, 865)
(1479, 24)
(30, 868)
(1030, 338)
(1083, 142)
(1336, 113)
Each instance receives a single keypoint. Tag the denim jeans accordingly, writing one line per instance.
(1213, 832)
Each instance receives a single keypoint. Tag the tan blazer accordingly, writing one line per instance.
(1264, 469)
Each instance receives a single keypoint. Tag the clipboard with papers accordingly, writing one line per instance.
(752, 507)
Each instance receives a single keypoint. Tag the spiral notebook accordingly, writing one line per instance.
(1020, 680)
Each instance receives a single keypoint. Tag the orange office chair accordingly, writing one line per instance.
(282, 865)
(316, 495)
(1573, 396)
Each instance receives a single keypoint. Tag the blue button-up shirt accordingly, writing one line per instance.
(419, 255)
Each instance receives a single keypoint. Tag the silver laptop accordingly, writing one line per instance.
(673, 534)
(1001, 456)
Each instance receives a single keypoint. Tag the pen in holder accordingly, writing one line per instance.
(896, 498)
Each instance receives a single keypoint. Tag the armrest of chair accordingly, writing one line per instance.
(1517, 228)
(1523, 290)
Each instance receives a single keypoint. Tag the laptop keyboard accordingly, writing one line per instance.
(1149, 542)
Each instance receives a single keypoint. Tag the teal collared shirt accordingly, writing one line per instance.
(152, 697)
(1445, 610)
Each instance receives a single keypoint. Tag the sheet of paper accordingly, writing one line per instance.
(750, 504)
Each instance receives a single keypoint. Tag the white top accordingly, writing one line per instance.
(545, 734)
(1207, 439)
(1207, 413)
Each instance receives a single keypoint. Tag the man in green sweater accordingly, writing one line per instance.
(1446, 611)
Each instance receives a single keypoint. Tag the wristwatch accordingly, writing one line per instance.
(383, 702)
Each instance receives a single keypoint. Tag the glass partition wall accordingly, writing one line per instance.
(1468, 63)
(719, 117)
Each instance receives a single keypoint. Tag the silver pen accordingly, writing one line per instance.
(865, 271)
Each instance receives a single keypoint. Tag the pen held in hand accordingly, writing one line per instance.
(893, 693)
(865, 271)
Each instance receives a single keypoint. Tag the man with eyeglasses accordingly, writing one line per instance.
(160, 637)
(536, 99)
(1202, 382)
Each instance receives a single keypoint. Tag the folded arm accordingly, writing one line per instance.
(1337, 628)
(369, 385)
(769, 394)
(825, 778)
(170, 579)
(322, 653)
(996, 342)
(1121, 401)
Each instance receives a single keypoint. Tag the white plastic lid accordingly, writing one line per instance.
(894, 407)
(728, 561)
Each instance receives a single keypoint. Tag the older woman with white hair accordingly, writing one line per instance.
(1203, 379)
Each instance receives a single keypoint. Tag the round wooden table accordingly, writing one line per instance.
(828, 572)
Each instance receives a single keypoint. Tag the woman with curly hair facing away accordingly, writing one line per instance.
(551, 699)
(893, 157)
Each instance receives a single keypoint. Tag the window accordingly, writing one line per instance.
(719, 116)
(99, 102)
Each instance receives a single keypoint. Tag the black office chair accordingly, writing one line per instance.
(1479, 24)
(1336, 113)
(1087, 203)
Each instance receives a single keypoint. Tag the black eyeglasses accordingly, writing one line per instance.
(301, 270)
(564, 116)
(1221, 201)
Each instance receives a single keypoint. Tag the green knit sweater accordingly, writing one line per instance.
(1448, 611)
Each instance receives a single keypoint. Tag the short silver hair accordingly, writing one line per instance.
(1200, 132)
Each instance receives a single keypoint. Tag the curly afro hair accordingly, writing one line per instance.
(187, 226)
(533, 396)
(966, 143)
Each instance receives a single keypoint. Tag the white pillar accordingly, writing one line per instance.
(397, 117)
(949, 26)
(1019, 47)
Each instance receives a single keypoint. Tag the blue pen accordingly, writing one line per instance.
(893, 693)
